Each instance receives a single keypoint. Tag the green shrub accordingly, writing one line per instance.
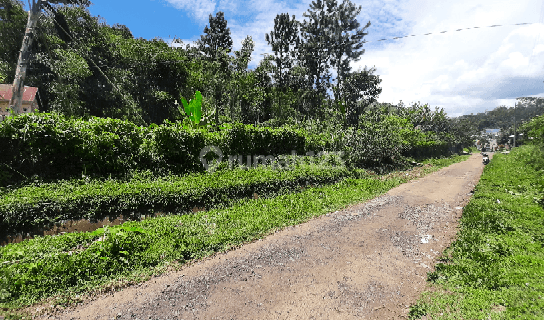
(177, 149)
(49, 145)
(379, 139)
(250, 140)
(48, 203)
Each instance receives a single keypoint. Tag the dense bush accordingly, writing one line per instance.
(377, 141)
(250, 140)
(49, 145)
(53, 147)
(175, 148)
(534, 131)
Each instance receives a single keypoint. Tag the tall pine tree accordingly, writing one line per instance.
(283, 39)
(214, 44)
(344, 43)
(333, 40)
(313, 52)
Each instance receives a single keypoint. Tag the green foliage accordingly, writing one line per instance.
(215, 45)
(250, 140)
(193, 112)
(52, 200)
(217, 36)
(282, 39)
(379, 139)
(92, 69)
(49, 145)
(535, 129)
(12, 29)
(3, 71)
(502, 117)
(53, 147)
(360, 90)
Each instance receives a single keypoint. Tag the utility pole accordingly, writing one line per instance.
(515, 124)
(22, 64)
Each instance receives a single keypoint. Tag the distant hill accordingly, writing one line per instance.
(503, 117)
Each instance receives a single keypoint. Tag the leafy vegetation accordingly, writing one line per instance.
(43, 204)
(113, 139)
(84, 67)
(62, 267)
(50, 146)
(503, 117)
(494, 269)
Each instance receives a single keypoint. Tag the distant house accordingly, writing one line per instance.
(491, 133)
(29, 100)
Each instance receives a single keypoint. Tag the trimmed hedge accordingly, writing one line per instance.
(41, 205)
(53, 147)
(250, 140)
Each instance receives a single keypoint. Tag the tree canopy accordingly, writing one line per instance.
(84, 67)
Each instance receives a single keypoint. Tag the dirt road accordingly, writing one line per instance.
(368, 261)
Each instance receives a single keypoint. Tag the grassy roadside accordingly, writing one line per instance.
(60, 270)
(495, 269)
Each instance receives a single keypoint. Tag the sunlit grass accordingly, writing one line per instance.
(495, 269)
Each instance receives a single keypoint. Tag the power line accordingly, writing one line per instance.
(394, 38)
(430, 33)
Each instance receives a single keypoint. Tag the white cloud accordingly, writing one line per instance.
(463, 70)
(199, 9)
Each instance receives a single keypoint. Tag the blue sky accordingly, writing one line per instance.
(464, 72)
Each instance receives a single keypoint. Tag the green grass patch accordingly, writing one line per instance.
(495, 269)
(46, 203)
(65, 266)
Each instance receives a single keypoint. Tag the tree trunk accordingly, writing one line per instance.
(18, 83)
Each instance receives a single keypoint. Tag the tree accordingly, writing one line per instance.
(360, 89)
(333, 41)
(12, 26)
(243, 56)
(284, 39)
(217, 39)
(344, 44)
(152, 74)
(34, 14)
(66, 73)
(313, 52)
(260, 108)
(238, 85)
(123, 31)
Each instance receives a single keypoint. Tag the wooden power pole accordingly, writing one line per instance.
(24, 57)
